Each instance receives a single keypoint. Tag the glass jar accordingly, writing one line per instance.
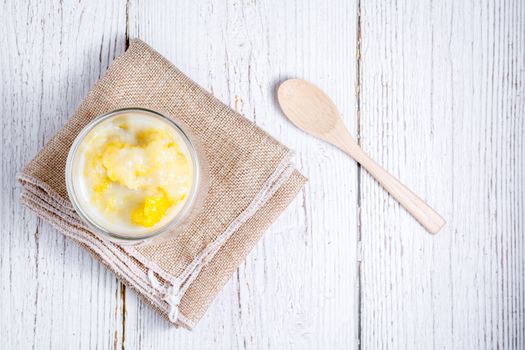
(173, 221)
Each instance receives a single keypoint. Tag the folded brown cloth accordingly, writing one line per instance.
(251, 182)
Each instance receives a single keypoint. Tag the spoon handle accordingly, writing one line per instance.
(423, 213)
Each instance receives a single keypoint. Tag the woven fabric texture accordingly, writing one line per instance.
(251, 181)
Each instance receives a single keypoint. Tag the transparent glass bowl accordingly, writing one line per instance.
(194, 199)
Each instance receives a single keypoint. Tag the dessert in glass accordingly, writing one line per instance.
(134, 174)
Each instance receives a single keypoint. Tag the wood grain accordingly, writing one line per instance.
(53, 294)
(296, 289)
(345, 266)
(444, 81)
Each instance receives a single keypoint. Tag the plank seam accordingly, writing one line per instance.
(358, 137)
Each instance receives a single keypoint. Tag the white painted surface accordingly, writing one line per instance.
(436, 91)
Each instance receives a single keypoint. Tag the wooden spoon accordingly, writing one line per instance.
(311, 110)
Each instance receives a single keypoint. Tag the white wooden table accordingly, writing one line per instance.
(435, 90)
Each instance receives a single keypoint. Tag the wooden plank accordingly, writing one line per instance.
(442, 108)
(54, 295)
(297, 288)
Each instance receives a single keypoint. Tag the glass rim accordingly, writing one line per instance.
(173, 222)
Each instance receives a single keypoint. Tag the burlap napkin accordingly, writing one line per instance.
(251, 182)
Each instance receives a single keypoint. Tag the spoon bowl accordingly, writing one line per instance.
(314, 114)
